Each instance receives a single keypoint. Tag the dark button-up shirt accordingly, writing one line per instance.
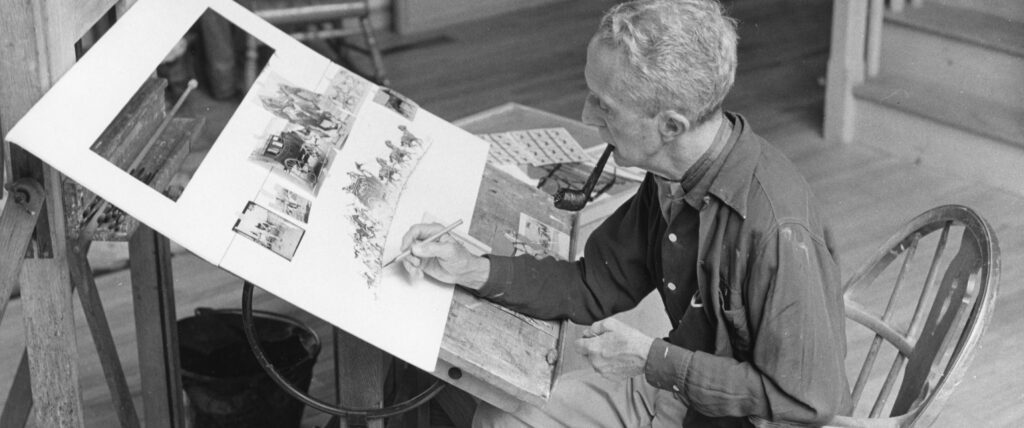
(767, 285)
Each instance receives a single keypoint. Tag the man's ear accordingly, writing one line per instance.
(672, 124)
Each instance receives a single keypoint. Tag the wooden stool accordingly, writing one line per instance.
(316, 20)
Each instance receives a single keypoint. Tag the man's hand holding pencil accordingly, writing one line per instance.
(428, 248)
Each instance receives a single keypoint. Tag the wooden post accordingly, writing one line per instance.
(39, 40)
(156, 328)
(106, 349)
(873, 54)
(18, 407)
(16, 224)
(845, 68)
(360, 369)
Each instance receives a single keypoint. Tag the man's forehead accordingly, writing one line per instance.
(604, 68)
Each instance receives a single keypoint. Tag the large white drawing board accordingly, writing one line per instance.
(377, 160)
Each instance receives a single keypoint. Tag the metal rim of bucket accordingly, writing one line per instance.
(202, 311)
(363, 413)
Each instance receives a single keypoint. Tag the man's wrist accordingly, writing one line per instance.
(642, 347)
(666, 365)
(477, 274)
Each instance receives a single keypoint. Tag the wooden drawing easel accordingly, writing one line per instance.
(48, 258)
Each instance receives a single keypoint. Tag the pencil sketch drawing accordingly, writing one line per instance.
(377, 189)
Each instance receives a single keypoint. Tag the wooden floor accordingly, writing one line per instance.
(536, 58)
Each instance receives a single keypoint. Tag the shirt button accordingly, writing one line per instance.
(672, 237)
(671, 286)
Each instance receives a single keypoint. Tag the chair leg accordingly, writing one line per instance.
(371, 44)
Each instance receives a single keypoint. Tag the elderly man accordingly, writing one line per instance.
(723, 227)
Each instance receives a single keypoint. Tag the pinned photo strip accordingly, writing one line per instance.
(284, 201)
(269, 230)
(396, 102)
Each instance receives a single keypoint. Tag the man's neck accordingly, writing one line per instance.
(688, 148)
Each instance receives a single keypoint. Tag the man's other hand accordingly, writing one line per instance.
(444, 259)
(615, 349)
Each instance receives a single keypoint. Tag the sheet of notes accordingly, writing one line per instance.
(534, 147)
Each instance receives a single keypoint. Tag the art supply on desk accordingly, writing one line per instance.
(431, 238)
(536, 147)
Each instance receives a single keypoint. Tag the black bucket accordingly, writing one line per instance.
(225, 385)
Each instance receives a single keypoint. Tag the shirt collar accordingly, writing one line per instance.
(732, 182)
(698, 172)
(710, 164)
(694, 184)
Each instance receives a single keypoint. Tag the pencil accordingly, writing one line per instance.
(430, 238)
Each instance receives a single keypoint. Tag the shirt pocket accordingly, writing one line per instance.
(736, 323)
(739, 333)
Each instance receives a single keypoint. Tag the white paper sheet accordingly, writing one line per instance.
(259, 216)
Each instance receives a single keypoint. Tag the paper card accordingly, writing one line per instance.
(310, 185)
(540, 240)
(535, 147)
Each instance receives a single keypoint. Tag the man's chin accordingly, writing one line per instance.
(619, 161)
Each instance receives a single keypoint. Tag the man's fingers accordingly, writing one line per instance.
(411, 265)
(443, 250)
(596, 329)
(419, 232)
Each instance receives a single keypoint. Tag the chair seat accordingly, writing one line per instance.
(317, 20)
(284, 12)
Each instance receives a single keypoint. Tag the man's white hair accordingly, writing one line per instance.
(682, 54)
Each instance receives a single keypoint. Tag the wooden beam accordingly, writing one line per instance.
(845, 68)
(873, 53)
(18, 407)
(79, 16)
(52, 348)
(106, 349)
(156, 328)
(37, 49)
(16, 223)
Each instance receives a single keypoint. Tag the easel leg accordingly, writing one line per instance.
(50, 338)
(82, 279)
(156, 329)
(18, 408)
(17, 220)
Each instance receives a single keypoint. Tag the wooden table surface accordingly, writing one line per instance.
(500, 355)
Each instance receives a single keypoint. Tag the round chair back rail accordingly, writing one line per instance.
(952, 310)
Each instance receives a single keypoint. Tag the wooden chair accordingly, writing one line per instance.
(931, 345)
(308, 20)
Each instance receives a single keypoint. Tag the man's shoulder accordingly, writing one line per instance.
(780, 194)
